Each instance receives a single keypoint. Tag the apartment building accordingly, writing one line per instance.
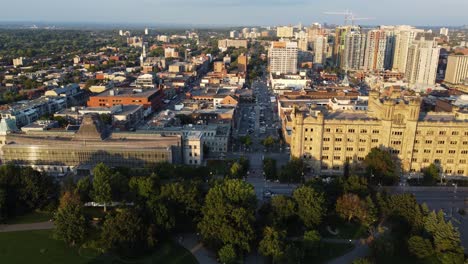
(282, 57)
(457, 69)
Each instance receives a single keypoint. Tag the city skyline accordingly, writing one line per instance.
(235, 12)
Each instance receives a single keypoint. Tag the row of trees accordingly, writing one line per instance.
(23, 190)
(150, 210)
(292, 172)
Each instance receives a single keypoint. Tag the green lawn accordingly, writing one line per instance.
(329, 251)
(33, 217)
(39, 247)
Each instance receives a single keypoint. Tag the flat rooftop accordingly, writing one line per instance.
(127, 92)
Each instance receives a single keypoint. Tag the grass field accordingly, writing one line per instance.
(39, 247)
(33, 217)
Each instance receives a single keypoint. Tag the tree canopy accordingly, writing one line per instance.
(228, 215)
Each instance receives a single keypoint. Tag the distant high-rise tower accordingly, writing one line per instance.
(146, 31)
(282, 57)
(242, 62)
(144, 50)
(374, 57)
(404, 36)
(354, 49)
(340, 41)
(285, 32)
(121, 33)
(444, 31)
(457, 69)
(423, 59)
(320, 46)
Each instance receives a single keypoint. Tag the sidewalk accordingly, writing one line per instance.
(360, 251)
(27, 227)
(190, 242)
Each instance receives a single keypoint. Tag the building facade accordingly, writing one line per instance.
(65, 151)
(376, 44)
(457, 69)
(326, 140)
(282, 57)
(423, 59)
(285, 32)
(353, 54)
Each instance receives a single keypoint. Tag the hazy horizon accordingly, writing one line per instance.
(235, 12)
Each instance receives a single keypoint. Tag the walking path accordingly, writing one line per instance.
(27, 227)
(190, 242)
(360, 250)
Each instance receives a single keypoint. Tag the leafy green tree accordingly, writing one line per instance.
(183, 200)
(445, 237)
(119, 186)
(227, 255)
(420, 247)
(431, 175)
(269, 141)
(228, 215)
(310, 206)
(283, 209)
(407, 213)
(70, 223)
(142, 186)
(124, 233)
(236, 171)
(269, 168)
(246, 140)
(37, 189)
(312, 242)
(272, 244)
(383, 247)
(102, 190)
(362, 261)
(380, 167)
(3, 205)
(357, 185)
(160, 214)
(84, 188)
(349, 206)
(292, 171)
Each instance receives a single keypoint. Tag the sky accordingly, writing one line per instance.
(237, 12)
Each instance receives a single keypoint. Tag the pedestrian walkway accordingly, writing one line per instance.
(191, 243)
(27, 227)
(360, 250)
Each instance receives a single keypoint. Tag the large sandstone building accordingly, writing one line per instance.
(327, 139)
